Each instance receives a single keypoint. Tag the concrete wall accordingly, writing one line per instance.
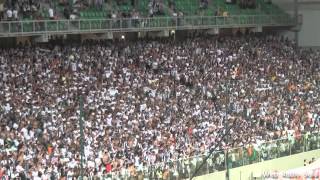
(280, 164)
(309, 35)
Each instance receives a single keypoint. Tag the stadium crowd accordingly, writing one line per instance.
(14, 9)
(149, 102)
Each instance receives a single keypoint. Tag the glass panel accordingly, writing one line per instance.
(125, 23)
(106, 24)
(14, 27)
(296, 144)
(218, 160)
(164, 21)
(115, 24)
(251, 155)
(63, 25)
(27, 26)
(155, 22)
(313, 141)
(76, 25)
(39, 26)
(284, 147)
(235, 158)
(187, 168)
(197, 163)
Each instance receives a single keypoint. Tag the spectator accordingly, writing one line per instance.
(15, 14)
(204, 4)
(99, 4)
(51, 14)
(15, 7)
(9, 14)
(155, 7)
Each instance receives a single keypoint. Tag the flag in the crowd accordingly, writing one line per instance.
(252, 153)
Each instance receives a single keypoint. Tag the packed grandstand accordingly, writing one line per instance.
(151, 108)
(70, 16)
(99, 9)
(150, 102)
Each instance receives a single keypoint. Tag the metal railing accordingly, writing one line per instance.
(38, 27)
(241, 156)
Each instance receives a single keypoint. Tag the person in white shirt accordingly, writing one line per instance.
(72, 17)
(15, 14)
(51, 15)
(9, 14)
